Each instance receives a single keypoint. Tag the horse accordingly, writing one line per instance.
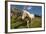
(29, 17)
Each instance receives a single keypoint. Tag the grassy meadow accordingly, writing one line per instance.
(18, 23)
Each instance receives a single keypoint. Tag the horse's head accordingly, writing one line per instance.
(24, 15)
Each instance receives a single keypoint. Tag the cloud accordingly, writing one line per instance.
(28, 8)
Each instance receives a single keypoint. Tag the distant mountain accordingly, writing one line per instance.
(37, 15)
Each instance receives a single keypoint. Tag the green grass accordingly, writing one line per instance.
(36, 22)
(16, 22)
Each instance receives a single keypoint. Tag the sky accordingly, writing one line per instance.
(37, 10)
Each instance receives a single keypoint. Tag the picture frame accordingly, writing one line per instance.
(7, 17)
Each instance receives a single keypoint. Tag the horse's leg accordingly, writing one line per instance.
(28, 23)
(31, 22)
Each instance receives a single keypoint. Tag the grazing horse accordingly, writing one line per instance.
(30, 17)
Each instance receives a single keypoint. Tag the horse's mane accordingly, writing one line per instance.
(25, 11)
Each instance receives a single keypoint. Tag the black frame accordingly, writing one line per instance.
(6, 21)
